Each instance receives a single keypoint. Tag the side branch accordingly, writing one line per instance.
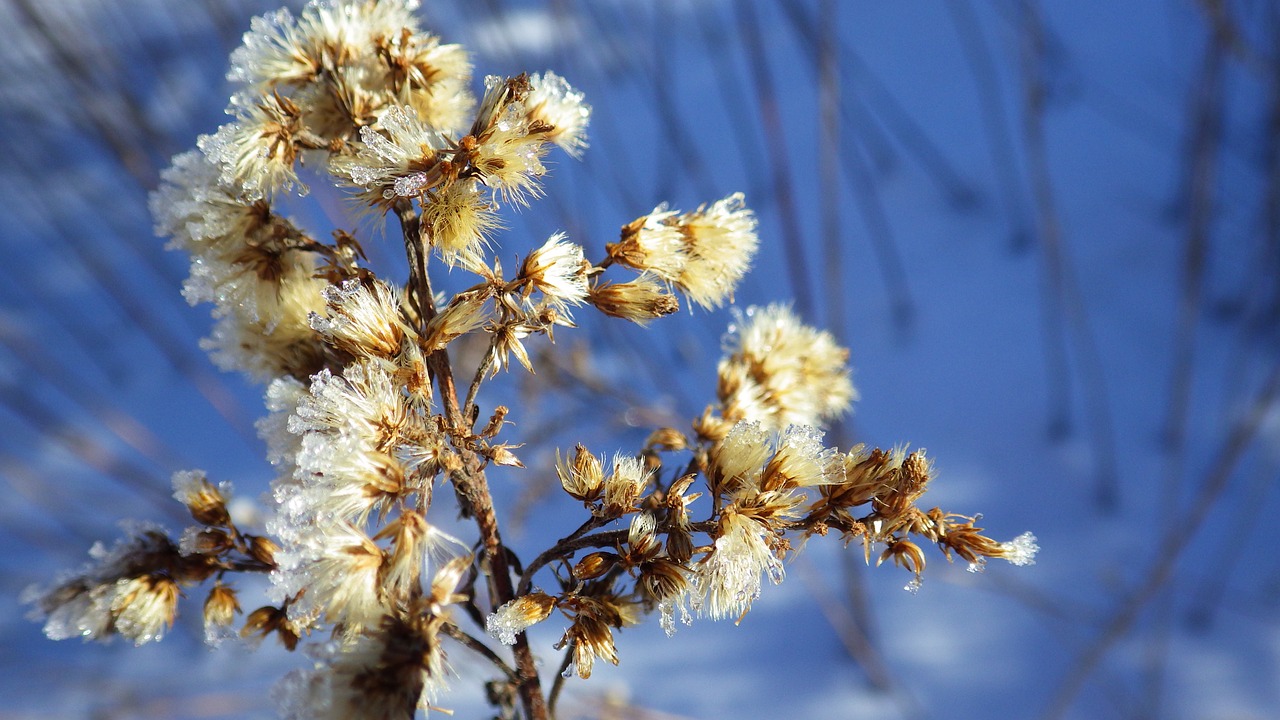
(475, 645)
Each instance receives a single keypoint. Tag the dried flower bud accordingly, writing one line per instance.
(639, 301)
(465, 314)
(396, 159)
(144, 606)
(446, 583)
(680, 545)
(221, 606)
(130, 589)
(559, 112)
(737, 460)
(270, 619)
(662, 579)
(904, 487)
(642, 538)
(704, 253)
(710, 427)
(652, 244)
(208, 504)
(905, 554)
(721, 241)
(262, 549)
(256, 153)
(204, 541)
(800, 460)
(518, 615)
(496, 421)
(781, 372)
(594, 565)
(591, 638)
(728, 580)
(861, 474)
(404, 564)
(502, 455)
(623, 488)
(668, 439)
(584, 477)
(558, 270)
(457, 221)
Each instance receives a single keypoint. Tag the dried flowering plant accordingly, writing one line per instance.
(367, 417)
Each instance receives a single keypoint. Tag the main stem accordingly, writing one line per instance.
(470, 480)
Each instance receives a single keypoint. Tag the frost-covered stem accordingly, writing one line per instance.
(563, 545)
(456, 633)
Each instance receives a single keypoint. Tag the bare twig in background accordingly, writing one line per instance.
(48, 423)
(955, 187)
(1000, 141)
(1210, 591)
(70, 384)
(821, 30)
(731, 88)
(175, 350)
(1260, 294)
(120, 124)
(1176, 538)
(1064, 308)
(681, 148)
(34, 489)
(778, 157)
(1052, 294)
(827, 60)
(1204, 125)
(1233, 40)
(857, 643)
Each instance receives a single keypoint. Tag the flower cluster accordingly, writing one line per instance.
(371, 425)
(704, 253)
(132, 589)
(766, 481)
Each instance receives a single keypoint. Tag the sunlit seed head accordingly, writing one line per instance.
(780, 372)
(362, 319)
(553, 104)
(640, 300)
(558, 269)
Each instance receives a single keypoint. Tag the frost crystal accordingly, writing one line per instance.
(502, 628)
(1022, 549)
(518, 615)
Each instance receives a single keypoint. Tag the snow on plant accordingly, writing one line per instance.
(367, 418)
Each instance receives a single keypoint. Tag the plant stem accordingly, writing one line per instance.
(469, 480)
(472, 482)
(564, 545)
(456, 633)
(558, 684)
(469, 407)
